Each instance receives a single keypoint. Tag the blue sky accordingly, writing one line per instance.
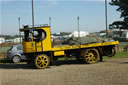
(63, 13)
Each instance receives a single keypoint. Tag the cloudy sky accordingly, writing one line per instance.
(63, 13)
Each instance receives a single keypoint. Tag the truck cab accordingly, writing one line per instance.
(37, 39)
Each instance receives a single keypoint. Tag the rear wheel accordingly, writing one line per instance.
(91, 56)
(42, 61)
(16, 59)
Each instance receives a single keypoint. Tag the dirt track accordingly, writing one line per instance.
(109, 72)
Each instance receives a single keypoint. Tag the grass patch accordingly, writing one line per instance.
(123, 44)
(122, 54)
(4, 49)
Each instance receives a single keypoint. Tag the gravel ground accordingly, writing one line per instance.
(109, 72)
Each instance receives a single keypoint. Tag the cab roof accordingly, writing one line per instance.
(31, 28)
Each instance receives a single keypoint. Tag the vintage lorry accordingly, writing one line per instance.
(38, 48)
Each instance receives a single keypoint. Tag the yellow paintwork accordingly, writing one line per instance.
(58, 53)
(28, 46)
(47, 44)
(38, 47)
(67, 47)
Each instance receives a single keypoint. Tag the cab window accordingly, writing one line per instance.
(27, 36)
(39, 35)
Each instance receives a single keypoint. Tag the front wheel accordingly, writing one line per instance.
(41, 61)
(91, 56)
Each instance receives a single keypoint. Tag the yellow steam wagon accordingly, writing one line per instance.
(38, 48)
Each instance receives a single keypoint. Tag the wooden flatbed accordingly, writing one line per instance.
(69, 47)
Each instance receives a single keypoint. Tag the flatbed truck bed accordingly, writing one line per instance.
(69, 47)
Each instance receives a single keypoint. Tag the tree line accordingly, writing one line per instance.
(123, 8)
(9, 36)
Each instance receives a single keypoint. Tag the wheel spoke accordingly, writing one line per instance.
(39, 62)
(87, 55)
(45, 64)
(93, 58)
(88, 58)
(41, 57)
(46, 61)
(42, 65)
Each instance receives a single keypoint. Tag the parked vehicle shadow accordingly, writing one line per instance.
(15, 66)
(67, 62)
(56, 63)
(124, 63)
(26, 66)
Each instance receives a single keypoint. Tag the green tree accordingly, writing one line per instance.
(123, 8)
(7, 36)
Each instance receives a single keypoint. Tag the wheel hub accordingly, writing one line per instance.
(91, 55)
